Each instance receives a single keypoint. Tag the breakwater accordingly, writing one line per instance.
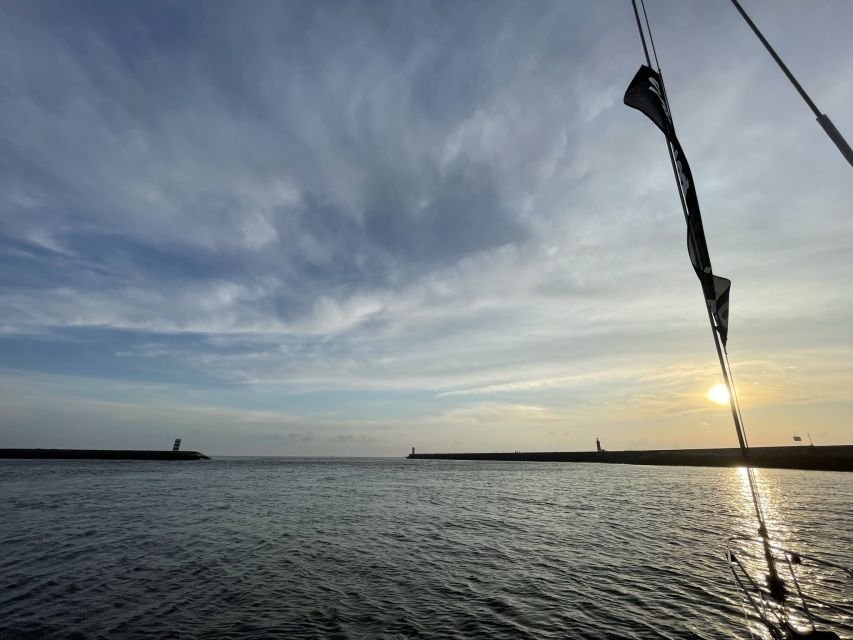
(100, 454)
(824, 458)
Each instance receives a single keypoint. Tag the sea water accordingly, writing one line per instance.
(390, 548)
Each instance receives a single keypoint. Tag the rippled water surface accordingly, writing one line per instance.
(388, 548)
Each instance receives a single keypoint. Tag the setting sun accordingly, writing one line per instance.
(718, 394)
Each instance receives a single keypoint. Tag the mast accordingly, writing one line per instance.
(774, 583)
(822, 119)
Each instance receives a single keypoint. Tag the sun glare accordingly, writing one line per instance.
(718, 394)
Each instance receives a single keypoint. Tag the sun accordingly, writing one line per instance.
(718, 394)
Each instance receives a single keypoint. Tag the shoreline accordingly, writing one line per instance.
(805, 458)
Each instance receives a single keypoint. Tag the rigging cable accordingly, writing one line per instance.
(651, 37)
(822, 119)
(774, 582)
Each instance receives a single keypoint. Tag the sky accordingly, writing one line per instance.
(346, 228)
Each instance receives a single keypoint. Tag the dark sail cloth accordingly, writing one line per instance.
(645, 93)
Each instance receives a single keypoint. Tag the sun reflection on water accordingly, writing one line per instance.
(770, 500)
(778, 508)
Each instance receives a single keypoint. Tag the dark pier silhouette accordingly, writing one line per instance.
(823, 458)
(100, 454)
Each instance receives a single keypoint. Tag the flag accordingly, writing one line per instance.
(646, 94)
(720, 306)
(797, 439)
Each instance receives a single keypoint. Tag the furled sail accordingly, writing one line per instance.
(645, 93)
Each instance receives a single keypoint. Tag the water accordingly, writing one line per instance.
(389, 548)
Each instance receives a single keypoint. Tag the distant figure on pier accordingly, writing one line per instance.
(598, 446)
